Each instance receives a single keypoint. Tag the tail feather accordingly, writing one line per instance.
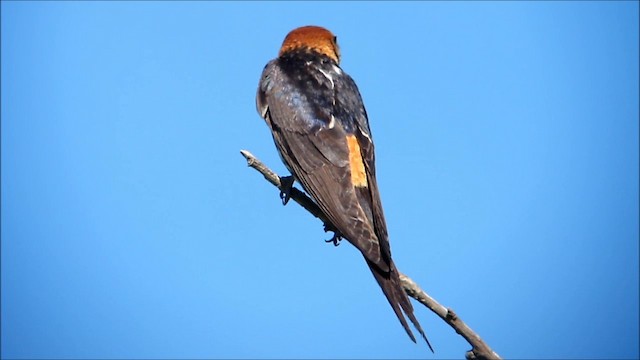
(392, 288)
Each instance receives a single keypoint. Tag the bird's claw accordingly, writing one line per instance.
(286, 183)
(335, 239)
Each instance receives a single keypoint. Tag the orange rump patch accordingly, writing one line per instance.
(358, 174)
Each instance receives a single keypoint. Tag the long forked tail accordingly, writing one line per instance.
(397, 297)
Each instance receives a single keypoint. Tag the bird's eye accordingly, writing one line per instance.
(335, 39)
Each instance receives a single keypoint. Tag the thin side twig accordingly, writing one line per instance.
(480, 350)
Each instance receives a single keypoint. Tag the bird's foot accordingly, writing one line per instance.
(335, 239)
(286, 183)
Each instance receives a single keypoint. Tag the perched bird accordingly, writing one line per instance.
(320, 128)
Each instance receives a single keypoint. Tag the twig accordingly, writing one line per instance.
(480, 350)
(296, 195)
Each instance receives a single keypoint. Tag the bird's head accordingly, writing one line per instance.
(312, 39)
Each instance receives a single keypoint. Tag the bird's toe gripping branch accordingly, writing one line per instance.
(285, 188)
(337, 236)
(335, 239)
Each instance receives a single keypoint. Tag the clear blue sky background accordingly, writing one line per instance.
(507, 150)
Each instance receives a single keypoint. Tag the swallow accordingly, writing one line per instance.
(320, 127)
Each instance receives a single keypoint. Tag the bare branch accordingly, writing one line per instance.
(480, 350)
(298, 196)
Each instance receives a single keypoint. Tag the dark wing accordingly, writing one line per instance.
(348, 97)
(311, 136)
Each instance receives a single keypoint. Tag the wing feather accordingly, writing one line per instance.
(348, 97)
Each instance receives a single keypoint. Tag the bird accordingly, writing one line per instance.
(321, 130)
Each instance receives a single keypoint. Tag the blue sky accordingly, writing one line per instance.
(507, 154)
